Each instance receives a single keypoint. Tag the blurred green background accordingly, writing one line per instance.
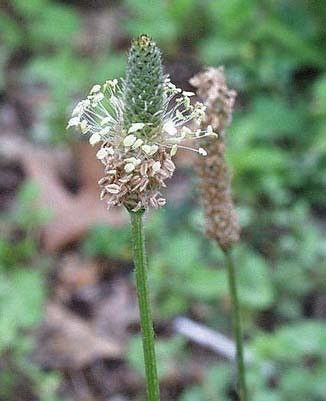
(51, 52)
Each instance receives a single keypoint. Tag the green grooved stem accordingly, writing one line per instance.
(153, 391)
(237, 331)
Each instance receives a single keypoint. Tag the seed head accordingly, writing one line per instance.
(213, 172)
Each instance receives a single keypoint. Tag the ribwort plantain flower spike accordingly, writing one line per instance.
(215, 189)
(213, 171)
(140, 122)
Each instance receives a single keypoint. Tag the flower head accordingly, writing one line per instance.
(140, 122)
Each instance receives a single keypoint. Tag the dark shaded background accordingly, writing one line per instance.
(69, 325)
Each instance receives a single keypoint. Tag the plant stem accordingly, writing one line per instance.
(236, 322)
(140, 261)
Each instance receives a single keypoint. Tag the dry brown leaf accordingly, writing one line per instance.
(115, 313)
(72, 215)
(75, 274)
(68, 342)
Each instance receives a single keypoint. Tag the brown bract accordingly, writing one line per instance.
(213, 172)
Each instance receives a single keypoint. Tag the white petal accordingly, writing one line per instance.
(136, 127)
(95, 138)
(202, 151)
(129, 140)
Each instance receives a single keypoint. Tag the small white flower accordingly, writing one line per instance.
(129, 140)
(95, 138)
(202, 152)
(129, 167)
(156, 167)
(136, 127)
(95, 89)
(102, 153)
(170, 128)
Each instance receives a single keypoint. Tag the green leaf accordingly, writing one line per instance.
(21, 302)
(253, 279)
(168, 353)
(292, 342)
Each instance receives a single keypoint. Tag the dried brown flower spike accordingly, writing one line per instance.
(215, 189)
(214, 175)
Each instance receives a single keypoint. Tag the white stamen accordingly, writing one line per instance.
(156, 167)
(147, 149)
(129, 140)
(202, 151)
(129, 167)
(136, 127)
(174, 150)
(170, 128)
(73, 122)
(137, 143)
(185, 93)
(95, 89)
(154, 149)
(95, 138)
(102, 153)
